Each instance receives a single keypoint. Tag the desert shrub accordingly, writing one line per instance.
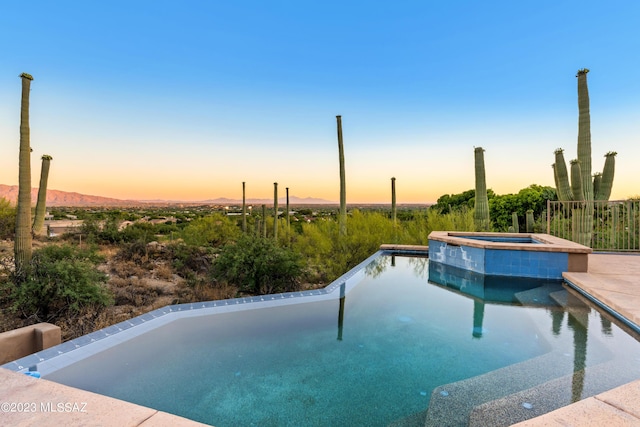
(164, 272)
(213, 230)
(7, 219)
(329, 255)
(203, 292)
(127, 268)
(62, 279)
(140, 232)
(188, 261)
(136, 252)
(258, 266)
(101, 232)
(133, 291)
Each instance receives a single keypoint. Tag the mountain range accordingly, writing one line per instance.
(65, 198)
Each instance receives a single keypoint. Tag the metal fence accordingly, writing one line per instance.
(603, 225)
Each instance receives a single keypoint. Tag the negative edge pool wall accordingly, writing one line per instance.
(69, 352)
(547, 259)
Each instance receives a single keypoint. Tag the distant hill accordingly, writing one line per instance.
(65, 198)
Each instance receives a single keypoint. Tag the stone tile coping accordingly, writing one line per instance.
(27, 401)
(616, 407)
(404, 249)
(545, 242)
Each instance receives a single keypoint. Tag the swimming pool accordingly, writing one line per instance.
(396, 349)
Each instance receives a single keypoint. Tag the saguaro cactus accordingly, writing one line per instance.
(393, 200)
(343, 187)
(288, 210)
(529, 221)
(244, 209)
(481, 215)
(275, 211)
(588, 188)
(514, 222)
(22, 244)
(604, 181)
(41, 204)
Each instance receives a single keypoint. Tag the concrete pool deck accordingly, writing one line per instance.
(612, 279)
(615, 281)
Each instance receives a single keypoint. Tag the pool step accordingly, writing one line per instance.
(540, 296)
(568, 300)
(414, 420)
(451, 404)
(553, 394)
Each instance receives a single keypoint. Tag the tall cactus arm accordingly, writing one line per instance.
(576, 180)
(607, 176)
(584, 133)
(597, 186)
(41, 204)
(563, 188)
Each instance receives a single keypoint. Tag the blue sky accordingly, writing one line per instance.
(185, 100)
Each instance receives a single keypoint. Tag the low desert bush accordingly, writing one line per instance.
(258, 265)
(133, 291)
(62, 280)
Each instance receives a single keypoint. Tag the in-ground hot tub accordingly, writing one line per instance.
(508, 254)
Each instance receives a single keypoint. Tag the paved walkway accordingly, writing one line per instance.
(615, 281)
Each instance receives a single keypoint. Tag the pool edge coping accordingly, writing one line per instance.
(547, 242)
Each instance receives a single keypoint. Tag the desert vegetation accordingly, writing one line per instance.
(124, 262)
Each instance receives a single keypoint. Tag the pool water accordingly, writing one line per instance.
(500, 239)
(392, 346)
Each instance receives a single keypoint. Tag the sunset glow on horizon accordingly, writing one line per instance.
(158, 100)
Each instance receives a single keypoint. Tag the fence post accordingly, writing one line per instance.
(548, 216)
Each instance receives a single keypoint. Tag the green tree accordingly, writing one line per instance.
(534, 198)
(465, 200)
(258, 266)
